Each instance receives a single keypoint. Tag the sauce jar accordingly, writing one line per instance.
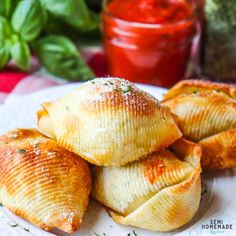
(148, 41)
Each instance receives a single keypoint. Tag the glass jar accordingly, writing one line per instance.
(149, 53)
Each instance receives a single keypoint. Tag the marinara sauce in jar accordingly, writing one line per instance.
(148, 41)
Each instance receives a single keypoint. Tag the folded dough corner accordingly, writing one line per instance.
(160, 193)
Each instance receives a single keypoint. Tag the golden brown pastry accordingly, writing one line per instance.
(206, 113)
(159, 193)
(109, 122)
(219, 151)
(194, 86)
(42, 182)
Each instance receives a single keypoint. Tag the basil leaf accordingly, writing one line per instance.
(7, 7)
(28, 19)
(70, 8)
(73, 12)
(61, 58)
(20, 54)
(4, 54)
(5, 28)
(5, 36)
(85, 26)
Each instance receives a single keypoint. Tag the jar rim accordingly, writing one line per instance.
(146, 25)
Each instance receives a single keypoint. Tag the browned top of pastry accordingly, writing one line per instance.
(115, 94)
(41, 181)
(193, 86)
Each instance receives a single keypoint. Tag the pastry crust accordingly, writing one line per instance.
(109, 122)
(193, 86)
(206, 113)
(219, 151)
(41, 181)
(203, 114)
(159, 193)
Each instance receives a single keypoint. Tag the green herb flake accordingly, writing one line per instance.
(27, 230)
(14, 225)
(134, 233)
(21, 151)
(14, 136)
(194, 92)
(67, 108)
(96, 234)
(1, 204)
(129, 234)
(126, 88)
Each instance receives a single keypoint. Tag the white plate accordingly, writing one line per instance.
(218, 192)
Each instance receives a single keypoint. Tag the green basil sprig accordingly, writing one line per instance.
(7, 7)
(28, 19)
(20, 54)
(73, 12)
(11, 44)
(60, 57)
(5, 34)
(4, 54)
(5, 28)
(24, 25)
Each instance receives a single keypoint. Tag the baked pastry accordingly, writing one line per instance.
(206, 113)
(41, 181)
(109, 122)
(194, 86)
(219, 150)
(159, 193)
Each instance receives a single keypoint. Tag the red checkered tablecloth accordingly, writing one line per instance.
(15, 82)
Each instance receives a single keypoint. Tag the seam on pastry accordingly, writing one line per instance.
(191, 178)
(152, 194)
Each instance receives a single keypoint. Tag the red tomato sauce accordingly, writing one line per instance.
(148, 41)
(150, 11)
